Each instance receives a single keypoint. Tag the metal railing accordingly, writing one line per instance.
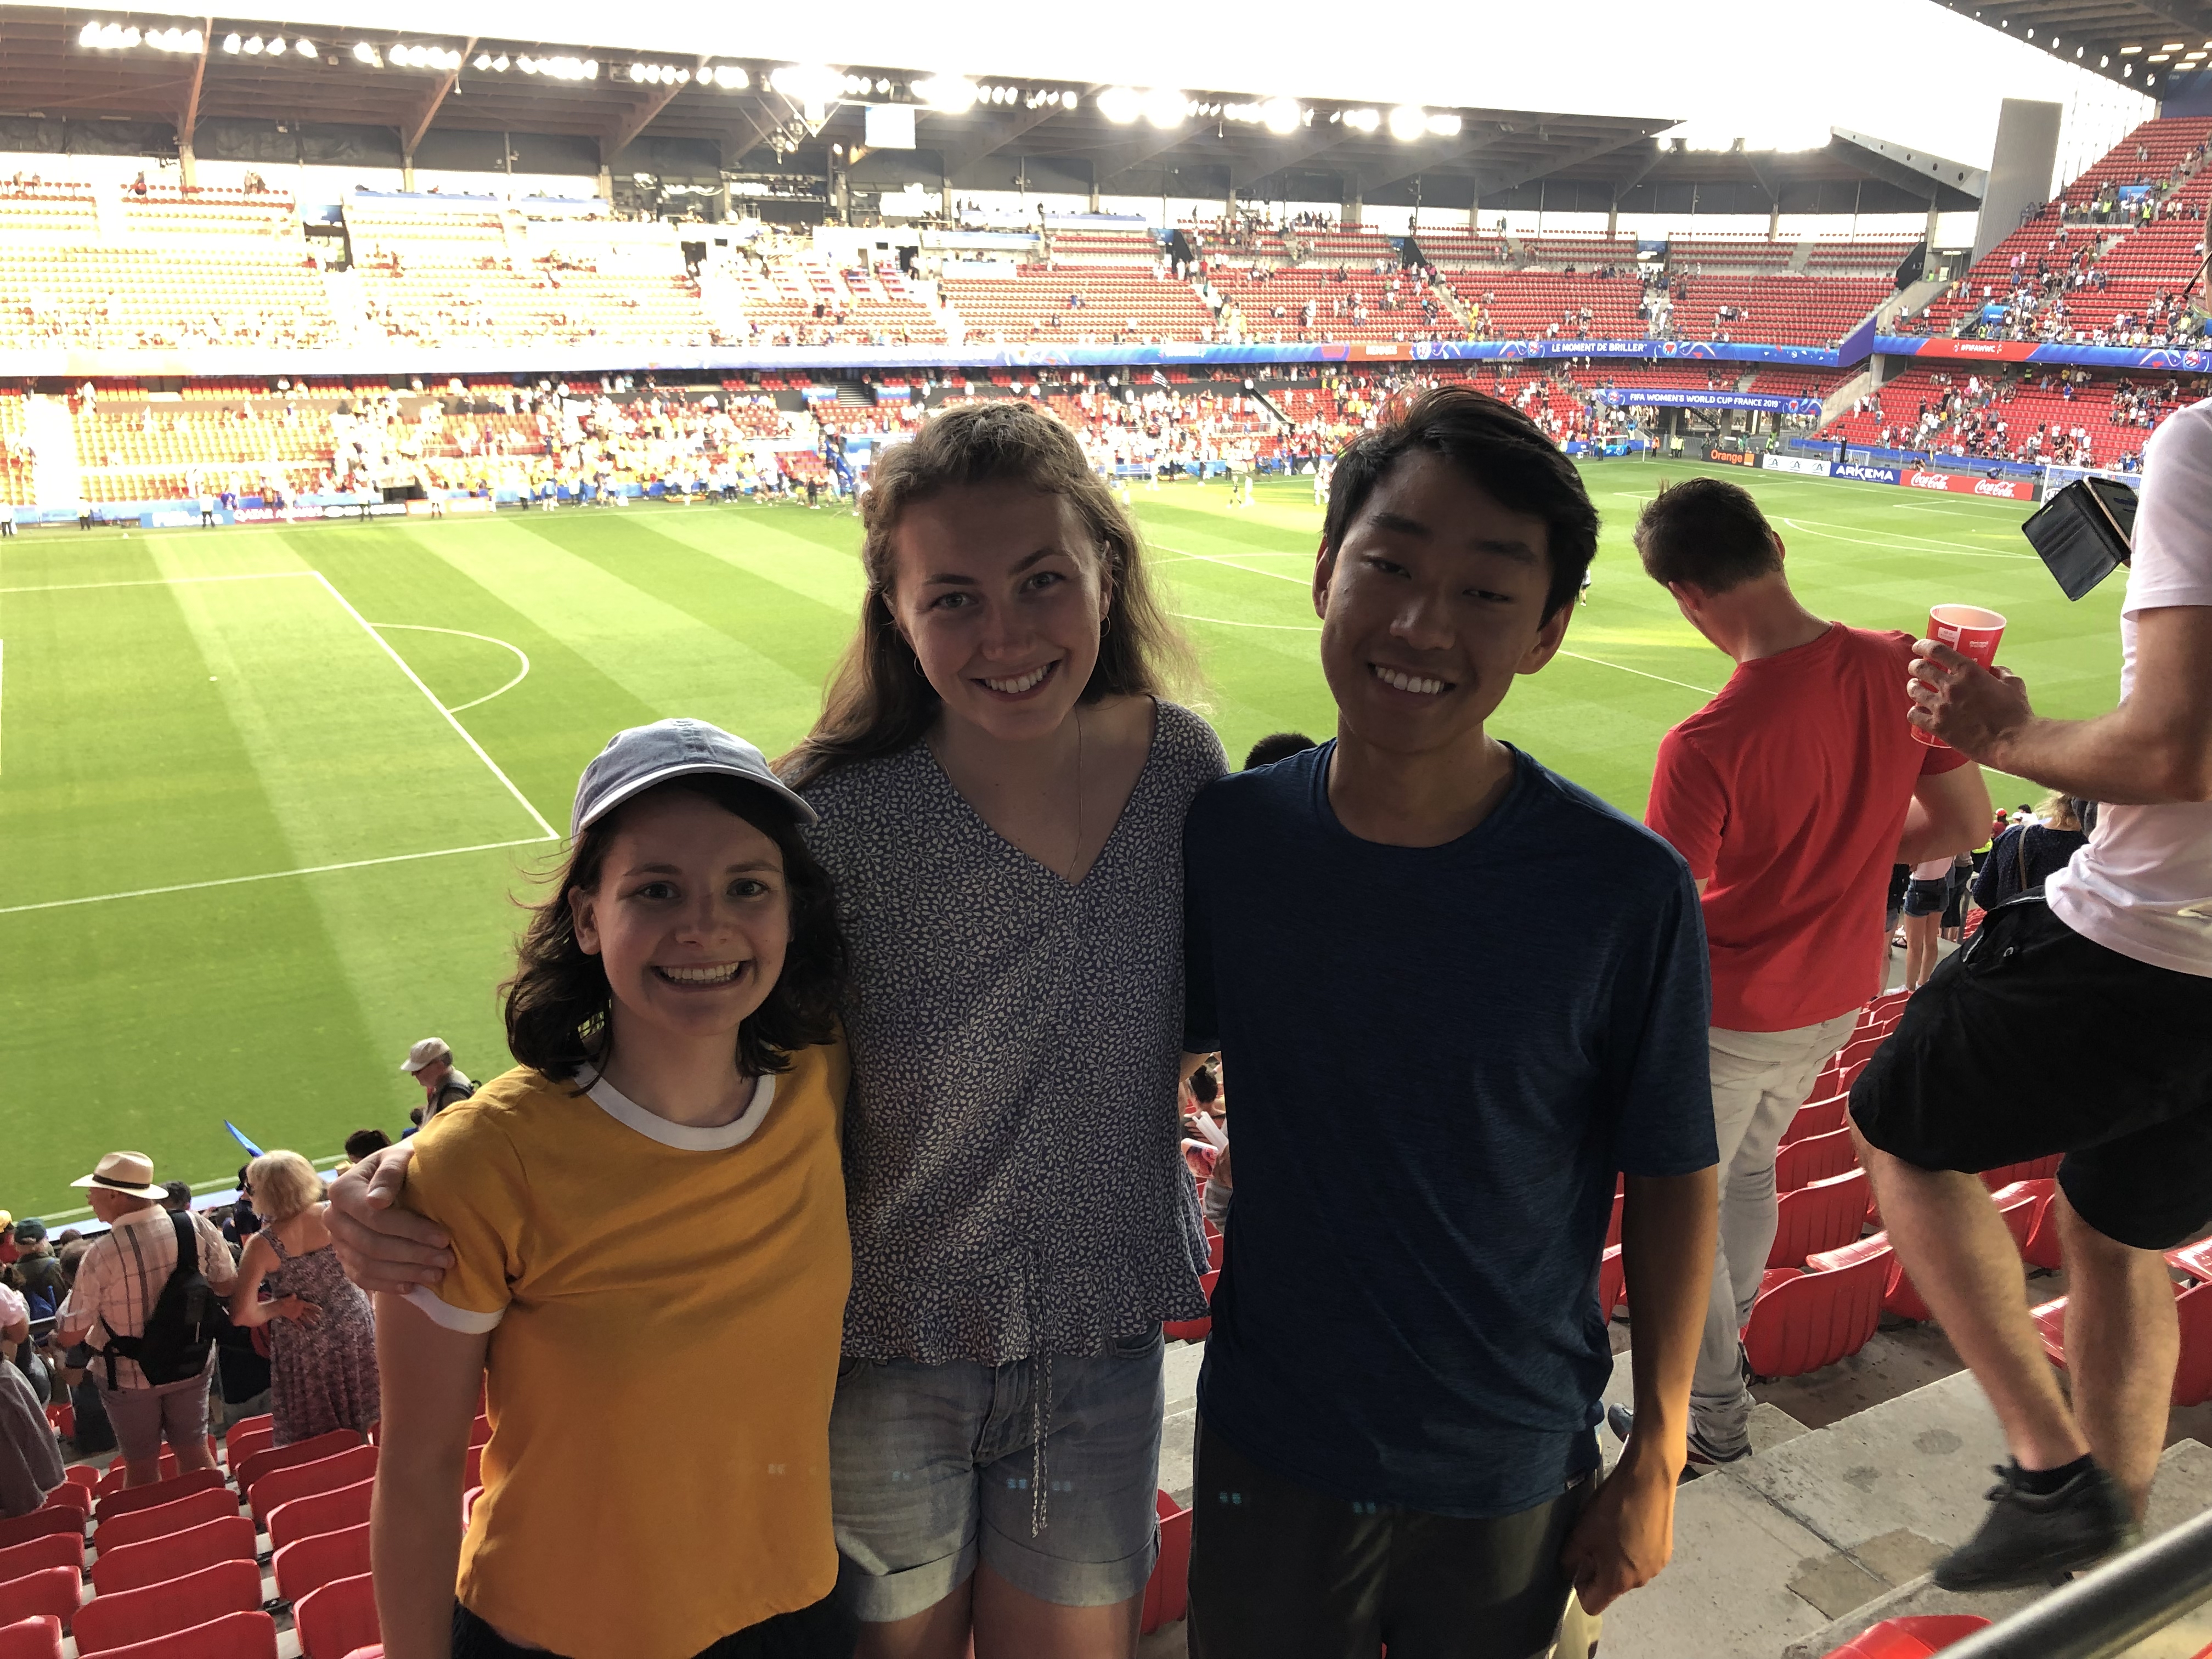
(2109, 1610)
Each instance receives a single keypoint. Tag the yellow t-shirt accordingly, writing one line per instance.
(664, 1306)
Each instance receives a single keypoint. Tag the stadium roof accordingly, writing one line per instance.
(69, 83)
(2161, 47)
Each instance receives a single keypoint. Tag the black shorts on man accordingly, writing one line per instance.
(2034, 1041)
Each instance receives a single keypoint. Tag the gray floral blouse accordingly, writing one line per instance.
(1013, 1165)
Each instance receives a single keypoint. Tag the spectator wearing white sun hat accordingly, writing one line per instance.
(430, 1063)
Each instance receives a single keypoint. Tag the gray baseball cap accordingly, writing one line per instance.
(635, 760)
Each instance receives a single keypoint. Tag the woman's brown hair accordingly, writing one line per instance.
(877, 701)
(558, 1001)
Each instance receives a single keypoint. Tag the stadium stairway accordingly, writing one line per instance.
(1821, 1534)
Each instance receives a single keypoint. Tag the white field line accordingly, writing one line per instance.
(384, 645)
(1578, 655)
(1224, 621)
(1902, 543)
(163, 582)
(273, 875)
(462, 633)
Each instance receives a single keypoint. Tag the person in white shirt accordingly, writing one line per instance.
(2077, 1022)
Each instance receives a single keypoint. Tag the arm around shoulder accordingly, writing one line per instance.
(430, 1374)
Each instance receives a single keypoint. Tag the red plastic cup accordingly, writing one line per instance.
(1972, 632)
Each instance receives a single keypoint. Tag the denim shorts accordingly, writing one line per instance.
(933, 1466)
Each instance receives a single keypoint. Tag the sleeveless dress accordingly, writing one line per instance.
(322, 1377)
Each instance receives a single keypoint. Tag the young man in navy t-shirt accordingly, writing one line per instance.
(1446, 1037)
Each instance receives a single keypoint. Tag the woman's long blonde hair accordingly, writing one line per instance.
(877, 701)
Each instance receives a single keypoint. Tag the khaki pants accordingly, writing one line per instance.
(1759, 1080)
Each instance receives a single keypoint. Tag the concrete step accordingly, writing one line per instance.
(1783, 1551)
(2183, 1489)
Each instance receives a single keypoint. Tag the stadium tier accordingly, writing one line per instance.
(1087, 304)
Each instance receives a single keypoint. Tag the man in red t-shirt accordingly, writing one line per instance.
(1790, 794)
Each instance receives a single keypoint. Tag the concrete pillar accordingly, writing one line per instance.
(407, 169)
(188, 169)
(1355, 209)
(1773, 217)
(606, 183)
(1612, 220)
(1931, 224)
(2021, 168)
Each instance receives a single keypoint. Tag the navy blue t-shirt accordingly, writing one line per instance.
(1437, 1058)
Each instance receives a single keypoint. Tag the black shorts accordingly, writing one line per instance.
(823, 1631)
(1927, 899)
(2034, 1040)
(1280, 1571)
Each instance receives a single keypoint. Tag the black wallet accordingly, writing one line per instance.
(2084, 532)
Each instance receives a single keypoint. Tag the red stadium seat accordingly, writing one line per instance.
(259, 1463)
(245, 1429)
(308, 1564)
(1613, 1226)
(1167, 1591)
(70, 1495)
(2193, 1376)
(1816, 1157)
(305, 1479)
(234, 1636)
(132, 1499)
(1823, 1216)
(173, 1605)
(82, 1474)
(42, 1523)
(134, 1566)
(55, 1549)
(1911, 1639)
(1803, 1321)
(39, 1637)
(2195, 1260)
(54, 1590)
(2034, 1169)
(1820, 1115)
(166, 1469)
(64, 1418)
(480, 1431)
(2021, 1204)
(214, 1503)
(1612, 1282)
(321, 1512)
(1194, 1330)
(336, 1620)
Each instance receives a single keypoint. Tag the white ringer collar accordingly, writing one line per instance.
(683, 1136)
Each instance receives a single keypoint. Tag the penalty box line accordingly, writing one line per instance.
(274, 875)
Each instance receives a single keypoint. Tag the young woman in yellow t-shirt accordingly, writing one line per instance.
(662, 1172)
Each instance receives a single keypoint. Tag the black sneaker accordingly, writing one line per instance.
(2028, 1540)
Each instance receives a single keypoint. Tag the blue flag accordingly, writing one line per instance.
(251, 1150)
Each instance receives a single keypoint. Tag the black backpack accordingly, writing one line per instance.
(183, 1327)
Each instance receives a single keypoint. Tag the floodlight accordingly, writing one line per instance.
(2158, 57)
(252, 45)
(955, 94)
(131, 37)
(1445, 126)
(276, 47)
(1120, 106)
(730, 78)
(484, 61)
(1165, 107)
(807, 84)
(1069, 98)
(1362, 120)
(89, 37)
(1281, 115)
(527, 65)
(499, 64)
(2129, 51)
(304, 47)
(362, 52)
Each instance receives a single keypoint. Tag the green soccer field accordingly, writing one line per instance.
(266, 795)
